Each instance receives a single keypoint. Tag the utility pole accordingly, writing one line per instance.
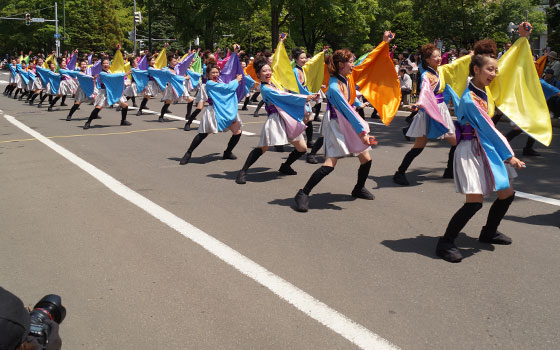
(63, 22)
(150, 25)
(134, 20)
(56, 33)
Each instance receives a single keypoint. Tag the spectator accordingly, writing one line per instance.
(406, 82)
(554, 101)
(506, 47)
(554, 64)
(396, 63)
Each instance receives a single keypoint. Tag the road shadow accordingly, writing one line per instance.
(97, 126)
(253, 175)
(552, 219)
(317, 201)
(415, 178)
(426, 245)
(200, 160)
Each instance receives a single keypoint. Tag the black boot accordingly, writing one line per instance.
(255, 96)
(360, 190)
(448, 173)
(529, 150)
(63, 102)
(245, 103)
(194, 144)
(50, 109)
(191, 119)
(32, 99)
(189, 110)
(317, 110)
(302, 197)
(513, 133)
(309, 134)
(142, 106)
(400, 177)
(41, 100)
(163, 111)
(256, 113)
(92, 116)
(72, 110)
(316, 147)
(124, 122)
(251, 159)
(231, 145)
(446, 248)
(498, 210)
(286, 168)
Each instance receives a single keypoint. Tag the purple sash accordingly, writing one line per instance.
(270, 109)
(332, 110)
(439, 98)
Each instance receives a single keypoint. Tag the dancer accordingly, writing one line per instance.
(67, 85)
(343, 130)
(37, 86)
(85, 91)
(483, 161)
(283, 125)
(151, 89)
(220, 114)
(207, 58)
(131, 90)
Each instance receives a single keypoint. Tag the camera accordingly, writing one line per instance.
(48, 308)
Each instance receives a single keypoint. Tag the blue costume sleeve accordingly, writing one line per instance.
(86, 84)
(356, 103)
(54, 80)
(71, 73)
(31, 75)
(195, 78)
(43, 75)
(177, 83)
(161, 76)
(141, 78)
(114, 86)
(24, 75)
(494, 147)
(224, 101)
(302, 89)
(292, 104)
(13, 70)
(335, 97)
(249, 83)
(548, 89)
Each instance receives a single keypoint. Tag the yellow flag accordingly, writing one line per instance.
(117, 66)
(518, 93)
(47, 60)
(379, 83)
(161, 60)
(455, 74)
(314, 72)
(282, 73)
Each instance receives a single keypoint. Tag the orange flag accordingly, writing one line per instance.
(541, 65)
(379, 83)
(326, 78)
(250, 71)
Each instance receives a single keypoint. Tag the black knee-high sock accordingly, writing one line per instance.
(75, 106)
(124, 111)
(317, 176)
(189, 110)
(25, 93)
(293, 156)
(34, 96)
(317, 146)
(361, 113)
(451, 157)
(232, 143)
(530, 142)
(246, 102)
(513, 133)
(309, 131)
(133, 98)
(63, 100)
(41, 94)
(54, 100)
(196, 142)
(143, 103)
(127, 98)
(497, 212)
(460, 219)
(17, 91)
(164, 109)
(12, 88)
(193, 115)
(50, 99)
(408, 158)
(43, 98)
(255, 95)
(6, 89)
(363, 172)
(317, 109)
(93, 114)
(252, 158)
(261, 103)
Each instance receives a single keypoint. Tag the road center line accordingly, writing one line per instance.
(104, 134)
(337, 322)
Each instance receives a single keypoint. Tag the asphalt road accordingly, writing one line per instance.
(130, 281)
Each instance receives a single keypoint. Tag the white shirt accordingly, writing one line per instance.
(406, 82)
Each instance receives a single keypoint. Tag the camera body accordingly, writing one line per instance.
(49, 308)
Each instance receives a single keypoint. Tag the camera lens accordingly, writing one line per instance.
(52, 305)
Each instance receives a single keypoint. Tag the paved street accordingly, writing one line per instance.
(132, 277)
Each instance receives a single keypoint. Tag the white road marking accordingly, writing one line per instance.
(352, 331)
(171, 116)
(3, 82)
(376, 123)
(538, 198)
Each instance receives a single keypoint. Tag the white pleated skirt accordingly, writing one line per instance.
(20, 83)
(169, 94)
(273, 132)
(131, 90)
(101, 99)
(37, 84)
(418, 125)
(81, 96)
(334, 140)
(208, 123)
(67, 87)
(471, 173)
(151, 89)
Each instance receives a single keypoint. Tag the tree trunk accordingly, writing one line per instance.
(275, 10)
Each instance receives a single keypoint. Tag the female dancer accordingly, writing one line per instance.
(483, 162)
(279, 128)
(217, 118)
(208, 58)
(81, 95)
(101, 98)
(421, 126)
(67, 86)
(343, 130)
(37, 87)
(131, 90)
(151, 90)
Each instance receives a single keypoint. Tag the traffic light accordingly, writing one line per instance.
(27, 19)
(131, 36)
(138, 17)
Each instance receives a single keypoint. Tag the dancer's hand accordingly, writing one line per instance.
(388, 36)
(525, 29)
(364, 137)
(516, 163)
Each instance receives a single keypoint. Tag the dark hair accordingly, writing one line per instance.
(259, 63)
(426, 52)
(478, 61)
(463, 52)
(170, 57)
(267, 53)
(296, 52)
(105, 58)
(402, 70)
(486, 47)
(210, 66)
(339, 56)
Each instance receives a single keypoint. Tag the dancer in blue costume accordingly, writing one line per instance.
(483, 162)
(86, 90)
